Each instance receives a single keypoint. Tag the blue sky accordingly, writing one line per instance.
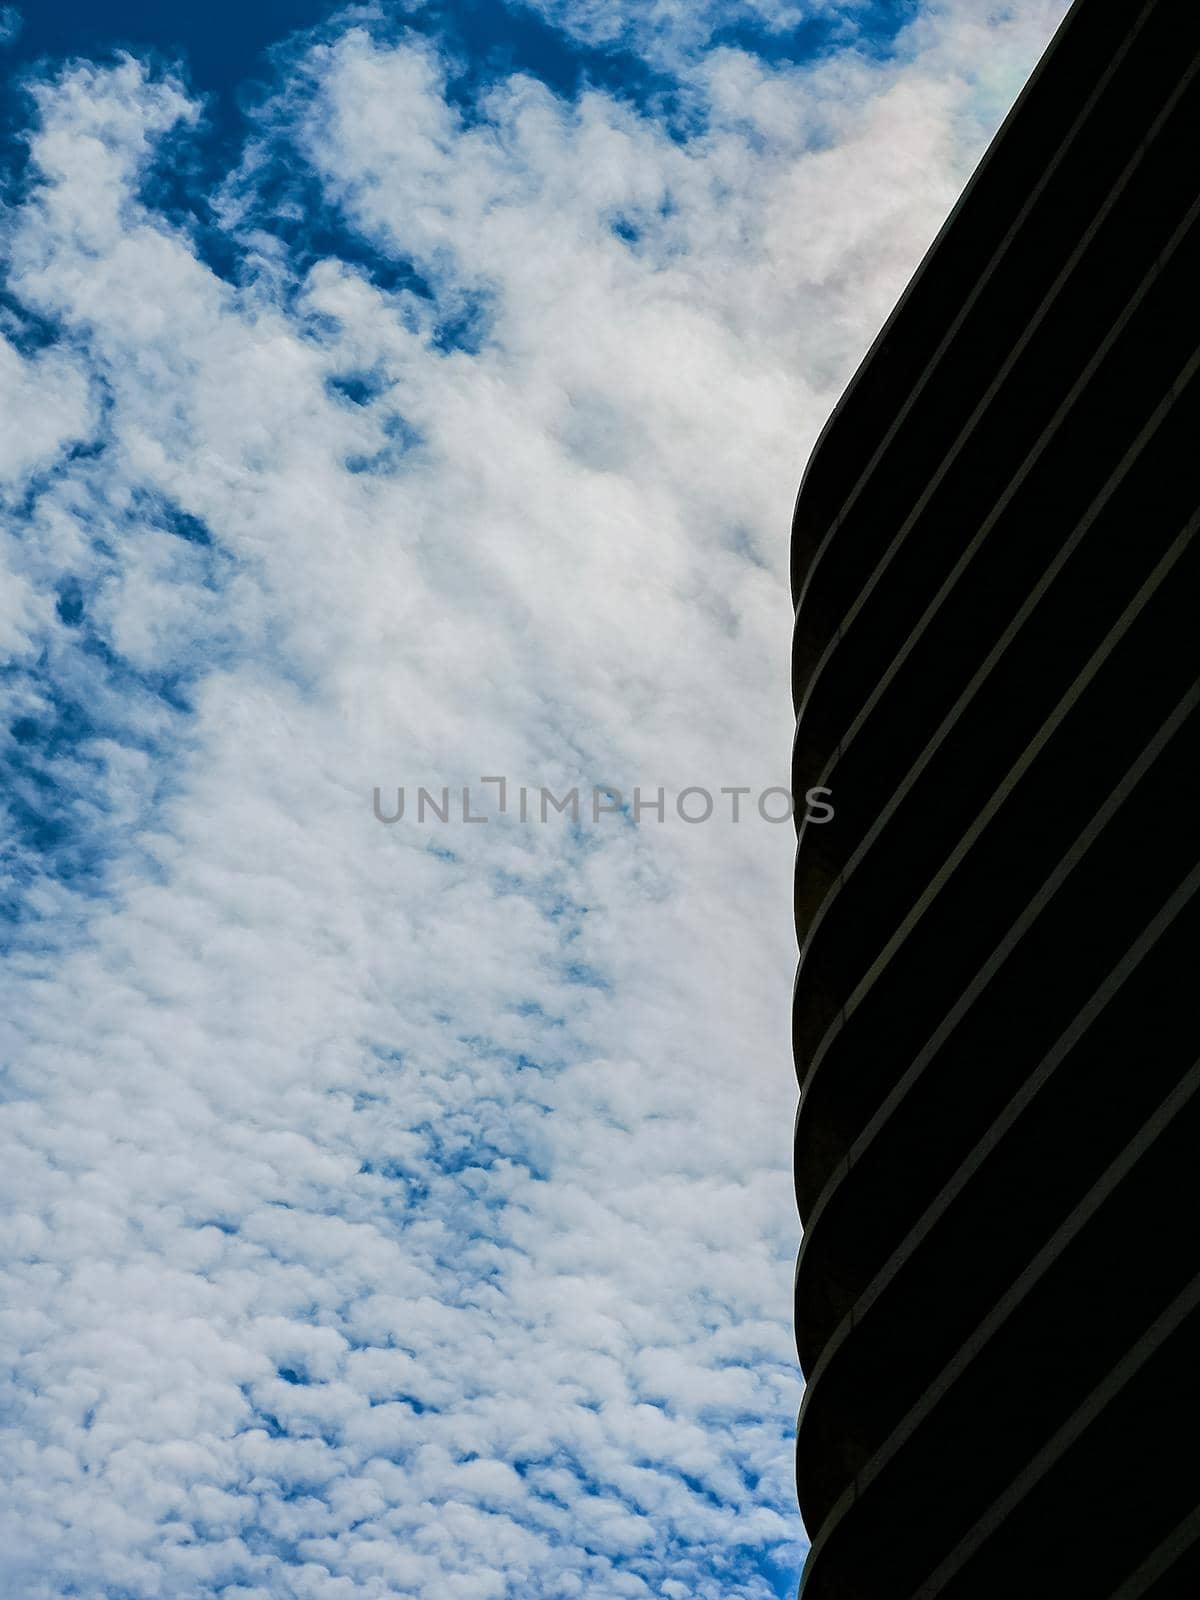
(226, 45)
(394, 399)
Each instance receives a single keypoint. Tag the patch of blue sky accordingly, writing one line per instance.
(744, 545)
(648, 229)
(264, 1541)
(653, 1566)
(457, 1145)
(401, 440)
(160, 512)
(25, 330)
(491, 40)
(464, 321)
(223, 40)
(109, 1593)
(222, 1225)
(549, 898)
(568, 916)
(535, 1009)
(256, 1418)
(419, 1408)
(504, 883)
(226, 44)
(279, 198)
(359, 388)
(55, 811)
(869, 26)
(277, 195)
(20, 507)
(582, 975)
(69, 605)
(38, 818)
(698, 1487)
(779, 1576)
(80, 700)
(392, 1171)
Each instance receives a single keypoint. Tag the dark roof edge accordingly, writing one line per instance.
(914, 281)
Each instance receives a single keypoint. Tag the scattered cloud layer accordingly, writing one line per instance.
(404, 1210)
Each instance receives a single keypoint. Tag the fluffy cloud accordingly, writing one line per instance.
(404, 1209)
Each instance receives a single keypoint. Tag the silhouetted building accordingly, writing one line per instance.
(996, 652)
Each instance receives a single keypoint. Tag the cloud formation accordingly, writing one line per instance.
(404, 1210)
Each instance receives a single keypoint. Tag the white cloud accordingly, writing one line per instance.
(48, 391)
(391, 1221)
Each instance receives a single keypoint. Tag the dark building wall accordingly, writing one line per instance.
(997, 644)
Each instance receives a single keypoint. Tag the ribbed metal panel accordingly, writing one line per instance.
(997, 651)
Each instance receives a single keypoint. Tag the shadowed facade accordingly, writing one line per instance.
(997, 646)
